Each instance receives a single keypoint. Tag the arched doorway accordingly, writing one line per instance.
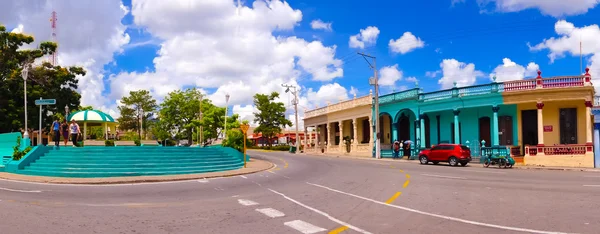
(385, 128)
(405, 125)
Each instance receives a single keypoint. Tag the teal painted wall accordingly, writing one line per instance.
(469, 119)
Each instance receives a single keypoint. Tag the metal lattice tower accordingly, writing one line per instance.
(54, 56)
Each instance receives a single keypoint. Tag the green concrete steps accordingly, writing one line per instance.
(99, 161)
(140, 169)
(138, 164)
(86, 174)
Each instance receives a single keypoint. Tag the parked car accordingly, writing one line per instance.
(454, 154)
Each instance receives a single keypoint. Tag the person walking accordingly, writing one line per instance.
(396, 149)
(65, 131)
(56, 132)
(74, 132)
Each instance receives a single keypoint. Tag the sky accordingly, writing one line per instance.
(246, 47)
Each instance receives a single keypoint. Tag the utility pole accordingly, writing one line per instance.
(200, 128)
(376, 119)
(225, 124)
(295, 102)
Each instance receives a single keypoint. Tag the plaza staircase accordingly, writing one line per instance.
(100, 161)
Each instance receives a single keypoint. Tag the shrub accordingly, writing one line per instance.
(137, 142)
(109, 143)
(17, 153)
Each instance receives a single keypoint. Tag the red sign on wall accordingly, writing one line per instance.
(547, 128)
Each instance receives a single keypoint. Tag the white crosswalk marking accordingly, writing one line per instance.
(273, 213)
(247, 202)
(304, 227)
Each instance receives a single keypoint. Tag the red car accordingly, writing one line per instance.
(451, 153)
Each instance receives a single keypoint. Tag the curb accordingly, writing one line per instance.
(556, 169)
(138, 179)
(362, 158)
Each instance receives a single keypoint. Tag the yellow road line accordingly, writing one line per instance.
(338, 230)
(392, 166)
(401, 171)
(406, 183)
(389, 201)
(407, 176)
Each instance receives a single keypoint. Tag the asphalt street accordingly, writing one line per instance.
(317, 194)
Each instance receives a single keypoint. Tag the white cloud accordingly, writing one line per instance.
(214, 44)
(509, 70)
(412, 79)
(433, 74)
(388, 76)
(568, 41)
(462, 73)
(367, 37)
(353, 91)
(557, 8)
(88, 33)
(18, 29)
(406, 43)
(320, 25)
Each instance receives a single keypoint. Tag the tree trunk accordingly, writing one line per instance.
(190, 140)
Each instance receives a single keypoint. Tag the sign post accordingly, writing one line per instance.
(244, 128)
(40, 103)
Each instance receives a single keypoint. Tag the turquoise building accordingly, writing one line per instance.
(504, 117)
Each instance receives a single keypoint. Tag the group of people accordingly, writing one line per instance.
(404, 146)
(65, 129)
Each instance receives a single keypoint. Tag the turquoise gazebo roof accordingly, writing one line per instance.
(94, 116)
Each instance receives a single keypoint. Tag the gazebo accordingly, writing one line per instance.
(93, 118)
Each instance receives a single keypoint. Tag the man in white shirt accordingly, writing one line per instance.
(74, 132)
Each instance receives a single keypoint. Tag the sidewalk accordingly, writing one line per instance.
(404, 160)
(256, 165)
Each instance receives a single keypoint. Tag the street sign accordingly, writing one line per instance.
(45, 102)
(244, 128)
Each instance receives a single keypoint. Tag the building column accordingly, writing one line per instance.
(341, 145)
(417, 134)
(394, 133)
(540, 119)
(596, 144)
(495, 137)
(371, 137)
(456, 127)
(422, 132)
(355, 143)
(310, 138)
(588, 122)
(305, 139)
(328, 136)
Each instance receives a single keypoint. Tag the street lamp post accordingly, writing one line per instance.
(67, 112)
(225, 125)
(24, 75)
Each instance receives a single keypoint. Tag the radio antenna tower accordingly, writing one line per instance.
(53, 56)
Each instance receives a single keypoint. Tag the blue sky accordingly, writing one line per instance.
(460, 31)
(162, 45)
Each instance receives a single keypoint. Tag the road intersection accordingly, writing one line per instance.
(317, 194)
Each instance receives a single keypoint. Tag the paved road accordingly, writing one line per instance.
(316, 194)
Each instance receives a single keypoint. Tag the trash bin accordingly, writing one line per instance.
(293, 149)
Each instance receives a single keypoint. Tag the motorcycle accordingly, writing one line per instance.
(501, 161)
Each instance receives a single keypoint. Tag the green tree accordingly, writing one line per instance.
(139, 104)
(213, 119)
(235, 139)
(160, 130)
(270, 116)
(43, 81)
